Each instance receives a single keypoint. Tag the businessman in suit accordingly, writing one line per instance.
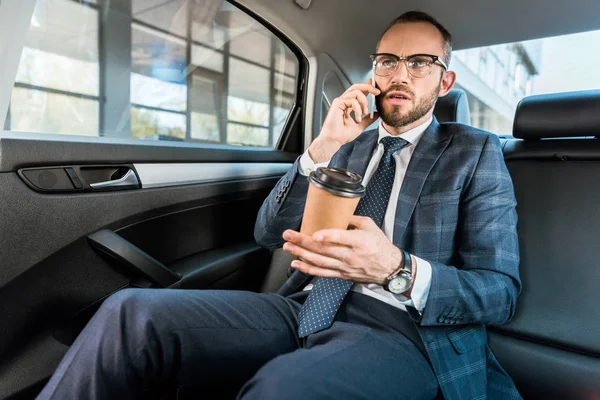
(438, 217)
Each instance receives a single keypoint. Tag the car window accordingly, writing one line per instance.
(202, 71)
(497, 77)
(332, 88)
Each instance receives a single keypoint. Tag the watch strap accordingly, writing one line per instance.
(406, 261)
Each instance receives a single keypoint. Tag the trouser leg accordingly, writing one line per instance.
(141, 339)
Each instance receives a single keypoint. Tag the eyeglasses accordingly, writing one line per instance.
(418, 65)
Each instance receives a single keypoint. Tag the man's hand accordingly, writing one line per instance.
(363, 254)
(339, 127)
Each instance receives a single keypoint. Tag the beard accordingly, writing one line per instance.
(392, 115)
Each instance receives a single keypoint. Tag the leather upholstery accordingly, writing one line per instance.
(572, 114)
(454, 107)
(551, 348)
(546, 372)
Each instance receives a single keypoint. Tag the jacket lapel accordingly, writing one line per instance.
(362, 151)
(428, 151)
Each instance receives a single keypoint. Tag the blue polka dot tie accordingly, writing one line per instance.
(327, 295)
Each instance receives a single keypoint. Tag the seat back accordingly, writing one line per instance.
(552, 346)
(453, 107)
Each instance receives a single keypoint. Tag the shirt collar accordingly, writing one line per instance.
(412, 136)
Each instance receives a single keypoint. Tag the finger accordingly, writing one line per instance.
(367, 120)
(338, 253)
(331, 250)
(312, 258)
(291, 235)
(350, 104)
(373, 85)
(357, 110)
(360, 96)
(364, 87)
(364, 223)
(316, 271)
(344, 104)
(337, 236)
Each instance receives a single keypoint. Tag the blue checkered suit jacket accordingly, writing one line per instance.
(456, 209)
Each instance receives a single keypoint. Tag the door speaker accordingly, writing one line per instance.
(47, 180)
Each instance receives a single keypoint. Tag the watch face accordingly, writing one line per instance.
(399, 284)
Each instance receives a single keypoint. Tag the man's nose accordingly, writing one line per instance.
(400, 75)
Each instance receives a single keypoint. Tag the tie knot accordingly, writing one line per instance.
(392, 144)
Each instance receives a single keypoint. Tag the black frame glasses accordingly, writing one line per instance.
(410, 61)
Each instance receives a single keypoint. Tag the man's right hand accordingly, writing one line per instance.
(339, 127)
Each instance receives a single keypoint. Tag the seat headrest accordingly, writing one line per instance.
(453, 107)
(571, 114)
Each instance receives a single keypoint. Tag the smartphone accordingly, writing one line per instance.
(372, 98)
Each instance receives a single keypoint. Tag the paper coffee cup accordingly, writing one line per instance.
(333, 194)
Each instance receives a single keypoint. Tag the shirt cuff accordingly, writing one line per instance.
(421, 286)
(307, 165)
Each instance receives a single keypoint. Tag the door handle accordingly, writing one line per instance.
(127, 181)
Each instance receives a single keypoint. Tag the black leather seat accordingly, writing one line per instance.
(552, 346)
(453, 107)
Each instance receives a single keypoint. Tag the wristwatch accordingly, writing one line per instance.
(402, 281)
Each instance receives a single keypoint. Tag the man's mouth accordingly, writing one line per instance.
(397, 98)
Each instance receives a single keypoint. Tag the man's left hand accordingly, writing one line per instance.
(363, 254)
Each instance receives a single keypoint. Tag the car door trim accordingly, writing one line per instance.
(162, 175)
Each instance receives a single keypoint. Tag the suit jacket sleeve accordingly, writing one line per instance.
(284, 207)
(484, 285)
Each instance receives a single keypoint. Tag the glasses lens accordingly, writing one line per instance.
(420, 66)
(385, 65)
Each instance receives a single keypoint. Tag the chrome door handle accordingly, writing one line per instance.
(127, 181)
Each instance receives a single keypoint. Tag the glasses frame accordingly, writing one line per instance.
(436, 61)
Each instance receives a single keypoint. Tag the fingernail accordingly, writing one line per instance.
(287, 235)
(295, 264)
(319, 238)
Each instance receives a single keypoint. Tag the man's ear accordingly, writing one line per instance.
(448, 80)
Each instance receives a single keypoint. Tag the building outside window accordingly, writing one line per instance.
(497, 77)
(192, 70)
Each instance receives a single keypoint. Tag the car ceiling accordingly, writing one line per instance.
(349, 29)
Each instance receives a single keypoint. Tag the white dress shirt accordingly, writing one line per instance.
(422, 282)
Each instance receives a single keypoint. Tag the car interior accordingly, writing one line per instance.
(83, 216)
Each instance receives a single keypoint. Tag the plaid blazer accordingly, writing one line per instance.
(457, 210)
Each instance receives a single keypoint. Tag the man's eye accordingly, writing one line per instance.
(420, 62)
(388, 63)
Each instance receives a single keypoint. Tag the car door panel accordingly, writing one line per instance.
(53, 280)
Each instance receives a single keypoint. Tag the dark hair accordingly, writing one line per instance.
(419, 16)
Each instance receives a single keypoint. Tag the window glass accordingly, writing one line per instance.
(155, 124)
(193, 70)
(158, 76)
(207, 108)
(502, 75)
(207, 58)
(285, 60)
(57, 84)
(254, 46)
(247, 135)
(47, 112)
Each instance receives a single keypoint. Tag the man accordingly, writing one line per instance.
(439, 211)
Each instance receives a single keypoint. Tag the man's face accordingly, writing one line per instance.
(404, 99)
